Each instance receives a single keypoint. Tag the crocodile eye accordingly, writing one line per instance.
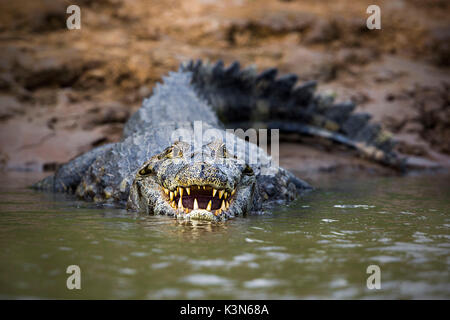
(167, 153)
(248, 170)
(177, 152)
(146, 171)
(171, 152)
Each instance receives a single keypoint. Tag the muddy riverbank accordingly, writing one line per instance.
(63, 92)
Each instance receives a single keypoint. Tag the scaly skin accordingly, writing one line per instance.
(164, 156)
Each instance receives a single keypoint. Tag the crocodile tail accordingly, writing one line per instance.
(244, 98)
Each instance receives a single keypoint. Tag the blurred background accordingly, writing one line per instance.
(63, 92)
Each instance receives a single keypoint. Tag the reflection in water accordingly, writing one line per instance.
(188, 230)
(317, 247)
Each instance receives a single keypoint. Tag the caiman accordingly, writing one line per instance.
(177, 159)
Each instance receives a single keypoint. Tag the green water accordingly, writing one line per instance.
(318, 247)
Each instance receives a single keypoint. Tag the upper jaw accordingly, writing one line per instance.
(202, 202)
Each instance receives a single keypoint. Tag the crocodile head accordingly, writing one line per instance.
(207, 184)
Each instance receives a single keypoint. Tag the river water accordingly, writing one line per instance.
(319, 246)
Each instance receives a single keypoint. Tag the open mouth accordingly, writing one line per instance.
(195, 197)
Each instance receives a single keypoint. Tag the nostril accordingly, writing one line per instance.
(248, 170)
(146, 170)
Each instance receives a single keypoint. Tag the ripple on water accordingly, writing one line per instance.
(271, 248)
(262, 283)
(347, 245)
(245, 257)
(420, 237)
(127, 271)
(258, 228)
(210, 263)
(347, 293)
(386, 259)
(139, 254)
(206, 280)
(293, 232)
(167, 293)
(417, 289)
(279, 256)
(411, 248)
(249, 240)
(418, 252)
(353, 206)
(195, 294)
(160, 265)
(329, 220)
(338, 283)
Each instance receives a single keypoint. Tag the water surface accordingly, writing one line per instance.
(317, 247)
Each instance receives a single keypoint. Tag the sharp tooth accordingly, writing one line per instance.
(204, 188)
(171, 195)
(233, 192)
(186, 210)
(181, 192)
(221, 193)
(166, 191)
(180, 204)
(175, 192)
(225, 195)
(209, 205)
(227, 204)
(217, 212)
(195, 204)
(223, 207)
(172, 204)
(214, 192)
(188, 190)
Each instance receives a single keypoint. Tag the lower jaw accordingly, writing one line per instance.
(209, 214)
(200, 214)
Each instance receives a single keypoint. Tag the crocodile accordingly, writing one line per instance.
(180, 157)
